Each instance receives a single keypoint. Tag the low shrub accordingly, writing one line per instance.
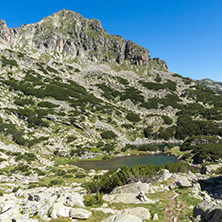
(91, 200)
(55, 182)
(108, 135)
(148, 147)
(15, 189)
(47, 104)
(80, 175)
(144, 173)
(32, 185)
(108, 147)
(167, 120)
(133, 117)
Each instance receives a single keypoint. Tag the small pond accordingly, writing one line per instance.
(129, 161)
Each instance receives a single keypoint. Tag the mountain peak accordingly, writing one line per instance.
(68, 33)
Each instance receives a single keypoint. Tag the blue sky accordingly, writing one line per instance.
(186, 34)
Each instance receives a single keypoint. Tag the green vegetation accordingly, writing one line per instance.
(170, 85)
(133, 94)
(11, 129)
(108, 92)
(108, 135)
(124, 175)
(204, 148)
(93, 200)
(23, 102)
(170, 99)
(133, 117)
(167, 120)
(108, 147)
(47, 104)
(158, 78)
(144, 147)
(186, 127)
(122, 81)
(8, 62)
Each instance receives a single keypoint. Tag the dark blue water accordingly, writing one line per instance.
(129, 161)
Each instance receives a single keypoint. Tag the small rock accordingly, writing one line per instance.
(142, 197)
(155, 216)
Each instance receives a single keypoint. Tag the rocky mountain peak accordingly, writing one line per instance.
(67, 33)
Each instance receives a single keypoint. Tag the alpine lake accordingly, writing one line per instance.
(129, 161)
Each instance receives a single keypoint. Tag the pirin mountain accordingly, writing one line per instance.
(70, 89)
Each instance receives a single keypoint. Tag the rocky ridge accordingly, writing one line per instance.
(68, 34)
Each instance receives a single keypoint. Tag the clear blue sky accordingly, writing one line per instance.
(187, 34)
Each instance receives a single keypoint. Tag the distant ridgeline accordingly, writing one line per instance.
(71, 89)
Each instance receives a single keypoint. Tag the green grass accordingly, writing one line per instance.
(63, 160)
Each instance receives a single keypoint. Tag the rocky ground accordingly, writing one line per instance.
(172, 198)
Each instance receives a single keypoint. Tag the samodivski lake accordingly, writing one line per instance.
(129, 161)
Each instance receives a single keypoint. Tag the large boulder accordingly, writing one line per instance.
(183, 182)
(14, 214)
(132, 188)
(59, 210)
(166, 175)
(30, 208)
(75, 200)
(210, 168)
(43, 208)
(141, 212)
(126, 198)
(208, 211)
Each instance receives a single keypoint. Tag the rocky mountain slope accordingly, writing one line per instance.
(68, 87)
(210, 84)
(70, 91)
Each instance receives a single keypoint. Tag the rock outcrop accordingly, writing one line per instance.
(67, 33)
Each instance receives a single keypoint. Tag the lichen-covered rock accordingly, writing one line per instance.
(166, 175)
(126, 198)
(183, 182)
(14, 214)
(208, 211)
(132, 188)
(59, 210)
(141, 212)
(79, 213)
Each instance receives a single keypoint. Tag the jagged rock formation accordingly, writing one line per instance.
(69, 33)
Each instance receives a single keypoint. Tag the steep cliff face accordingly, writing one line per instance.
(67, 33)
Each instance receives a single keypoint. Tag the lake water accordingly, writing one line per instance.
(129, 161)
